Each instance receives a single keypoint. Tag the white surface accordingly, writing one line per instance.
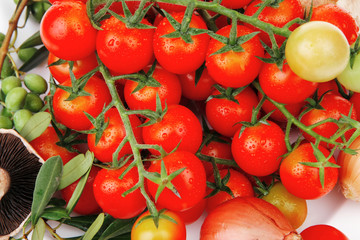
(333, 209)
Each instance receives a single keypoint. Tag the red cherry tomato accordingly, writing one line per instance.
(235, 4)
(322, 232)
(194, 213)
(66, 30)
(355, 101)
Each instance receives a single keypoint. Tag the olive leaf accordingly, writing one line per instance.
(39, 56)
(94, 228)
(117, 228)
(39, 230)
(46, 184)
(55, 213)
(36, 125)
(32, 41)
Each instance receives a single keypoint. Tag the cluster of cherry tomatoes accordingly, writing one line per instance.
(210, 84)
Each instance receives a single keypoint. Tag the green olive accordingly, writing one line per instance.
(33, 102)
(35, 83)
(9, 83)
(6, 113)
(15, 99)
(5, 122)
(20, 118)
(7, 68)
(26, 53)
(38, 9)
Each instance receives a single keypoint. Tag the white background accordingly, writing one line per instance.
(333, 209)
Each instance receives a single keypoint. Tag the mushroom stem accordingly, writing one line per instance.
(4, 182)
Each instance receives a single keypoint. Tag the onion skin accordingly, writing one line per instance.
(247, 218)
(349, 173)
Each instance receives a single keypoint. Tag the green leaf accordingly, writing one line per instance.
(46, 184)
(76, 168)
(94, 228)
(81, 222)
(32, 41)
(39, 230)
(117, 228)
(36, 125)
(55, 213)
(39, 57)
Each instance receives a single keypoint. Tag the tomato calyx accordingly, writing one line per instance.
(354, 51)
(220, 183)
(269, 3)
(262, 188)
(276, 53)
(156, 217)
(227, 93)
(146, 79)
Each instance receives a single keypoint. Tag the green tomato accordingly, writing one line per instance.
(5, 122)
(35, 83)
(317, 51)
(21, 117)
(33, 102)
(15, 99)
(350, 77)
(9, 83)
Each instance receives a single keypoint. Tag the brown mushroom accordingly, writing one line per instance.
(19, 166)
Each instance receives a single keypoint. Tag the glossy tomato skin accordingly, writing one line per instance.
(239, 185)
(169, 92)
(334, 106)
(87, 204)
(329, 87)
(304, 181)
(66, 30)
(234, 69)
(284, 85)
(355, 101)
(199, 91)
(71, 113)
(258, 149)
(322, 232)
(190, 183)
(80, 68)
(235, 4)
(174, 54)
(194, 213)
(277, 16)
(167, 230)
(108, 190)
(178, 125)
(124, 50)
(45, 145)
(224, 115)
(113, 135)
(338, 16)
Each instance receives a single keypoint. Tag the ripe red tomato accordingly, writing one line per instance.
(194, 213)
(108, 190)
(66, 30)
(304, 181)
(235, 4)
(334, 106)
(169, 92)
(45, 145)
(199, 91)
(339, 17)
(224, 115)
(234, 69)
(52, 1)
(277, 16)
(355, 101)
(190, 184)
(124, 50)
(86, 204)
(322, 232)
(144, 228)
(178, 125)
(329, 87)
(284, 85)
(112, 137)
(80, 68)
(258, 149)
(71, 113)
(239, 185)
(174, 54)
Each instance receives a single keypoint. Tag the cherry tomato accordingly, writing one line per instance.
(108, 190)
(179, 126)
(224, 115)
(278, 16)
(322, 232)
(174, 54)
(145, 229)
(86, 204)
(194, 213)
(304, 181)
(338, 16)
(355, 101)
(112, 137)
(329, 87)
(294, 208)
(235, 4)
(239, 185)
(169, 92)
(124, 50)
(71, 113)
(80, 68)
(66, 30)
(258, 149)
(317, 51)
(234, 69)
(190, 184)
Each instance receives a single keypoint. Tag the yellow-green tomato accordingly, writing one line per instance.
(350, 77)
(317, 51)
(294, 208)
